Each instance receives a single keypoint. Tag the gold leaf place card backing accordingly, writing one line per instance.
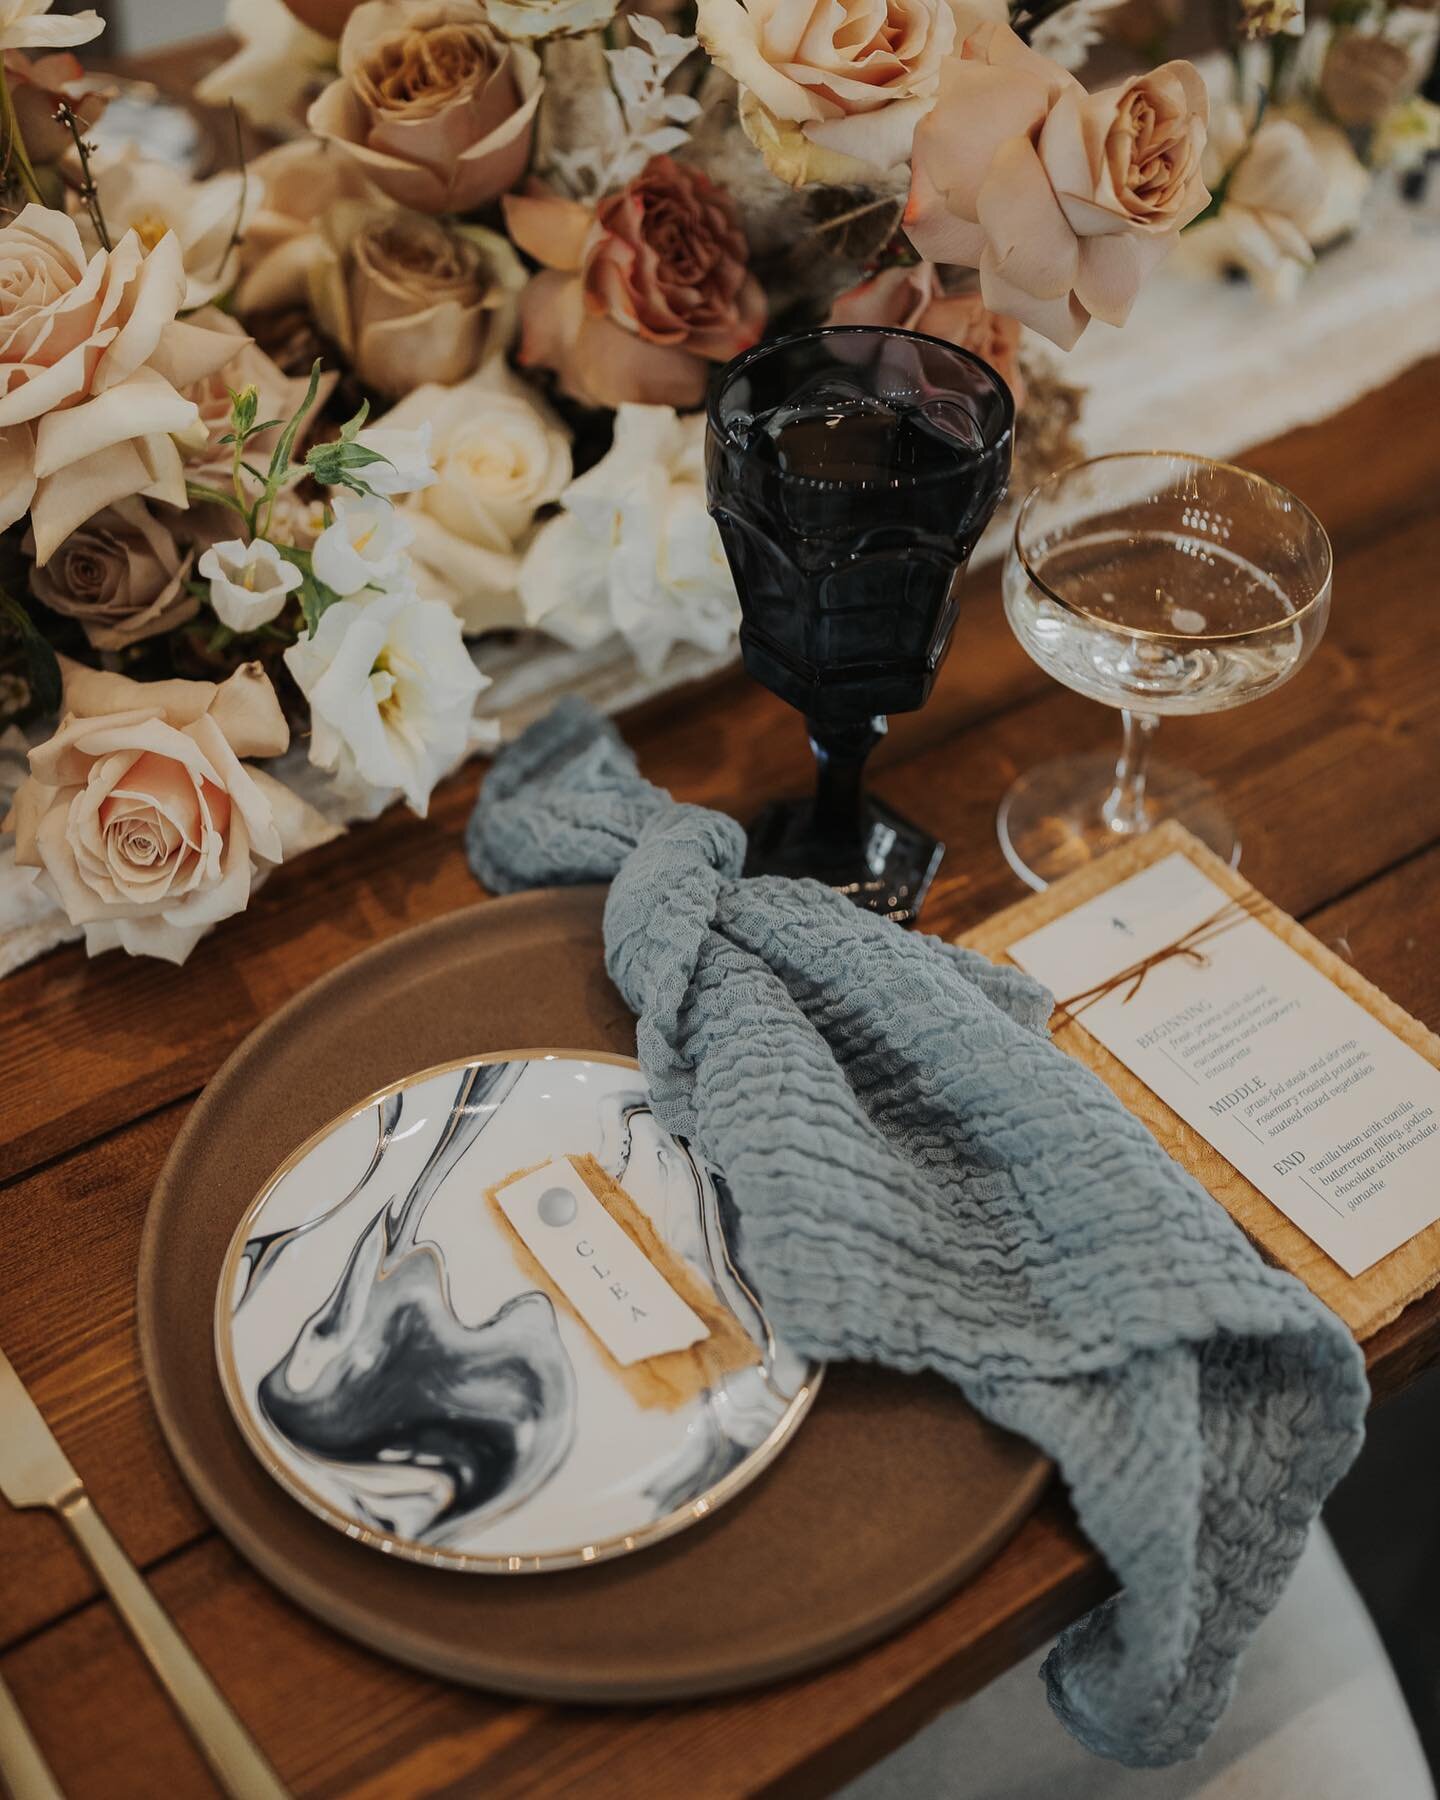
(1365, 1300)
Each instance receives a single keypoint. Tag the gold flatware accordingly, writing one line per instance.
(34, 1471)
(24, 1772)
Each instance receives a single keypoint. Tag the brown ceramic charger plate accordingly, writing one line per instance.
(889, 1495)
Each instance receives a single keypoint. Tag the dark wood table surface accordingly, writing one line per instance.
(1335, 782)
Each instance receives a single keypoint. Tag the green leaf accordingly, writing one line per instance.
(335, 464)
(280, 456)
(199, 490)
(40, 659)
(351, 426)
(316, 598)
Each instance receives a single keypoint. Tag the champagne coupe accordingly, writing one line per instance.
(851, 471)
(1158, 583)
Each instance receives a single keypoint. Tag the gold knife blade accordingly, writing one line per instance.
(35, 1471)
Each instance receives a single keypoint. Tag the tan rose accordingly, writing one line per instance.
(1063, 200)
(913, 299)
(1362, 77)
(145, 824)
(296, 185)
(410, 300)
(854, 79)
(434, 106)
(122, 575)
(638, 298)
(92, 361)
(37, 86)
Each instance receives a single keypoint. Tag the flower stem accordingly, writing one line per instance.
(15, 151)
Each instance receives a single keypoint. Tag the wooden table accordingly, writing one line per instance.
(1335, 782)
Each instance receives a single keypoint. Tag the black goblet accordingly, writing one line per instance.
(851, 471)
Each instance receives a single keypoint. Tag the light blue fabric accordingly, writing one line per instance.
(924, 1181)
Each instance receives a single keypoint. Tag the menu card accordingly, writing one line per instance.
(1310, 1097)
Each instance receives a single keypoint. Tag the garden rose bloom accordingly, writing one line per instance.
(435, 107)
(38, 87)
(913, 299)
(500, 455)
(144, 822)
(92, 361)
(408, 300)
(1063, 200)
(296, 186)
(854, 78)
(636, 298)
(122, 575)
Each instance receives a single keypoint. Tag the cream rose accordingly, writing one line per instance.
(500, 455)
(1063, 200)
(434, 106)
(410, 300)
(296, 186)
(145, 825)
(92, 361)
(854, 77)
(122, 575)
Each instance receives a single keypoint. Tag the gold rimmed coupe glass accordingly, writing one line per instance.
(1159, 583)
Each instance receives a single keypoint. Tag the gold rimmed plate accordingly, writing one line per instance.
(404, 1365)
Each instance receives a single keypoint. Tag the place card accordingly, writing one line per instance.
(1330, 1116)
(1302, 1097)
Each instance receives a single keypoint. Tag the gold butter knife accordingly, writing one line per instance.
(34, 1471)
(24, 1772)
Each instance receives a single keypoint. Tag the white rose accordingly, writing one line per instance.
(635, 550)
(500, 455)
(392, 695)
(249, 583)
(408, 465)
(365, 547)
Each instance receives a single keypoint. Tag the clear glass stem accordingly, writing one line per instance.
(1124, 809)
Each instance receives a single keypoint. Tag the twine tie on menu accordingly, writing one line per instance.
(923, 1180)
(1189, 947)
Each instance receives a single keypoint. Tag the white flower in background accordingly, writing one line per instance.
(1067, 37)
(500, 455)
(279, 68)
(249, 583)
(151, 198)
(392, 693)
(408, 464)
(1407, 135)
(365, 547)
(635, 550)
(30, 25)
(1345, 181)
(549, 18)
(1275, 188)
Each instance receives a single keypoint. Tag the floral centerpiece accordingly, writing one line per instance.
(283, 449)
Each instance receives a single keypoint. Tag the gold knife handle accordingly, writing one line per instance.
(24, 1772)
(222, 1740)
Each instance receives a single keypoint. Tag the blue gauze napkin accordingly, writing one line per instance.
(924, 1181)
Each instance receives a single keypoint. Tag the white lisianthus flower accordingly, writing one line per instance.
(501, 455)
(1407, 135)
(408, 465)
(249, 583)
(277, 71)
(635, 550)
(151, 198)
(365, 547)
(392, 693)
(30, 25)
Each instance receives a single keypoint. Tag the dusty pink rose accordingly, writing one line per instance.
(38, 85)
(92, 361)
(121, 574)
(1063, 200)
(434, 106)
(637, 298)
(145, 824)
(913, 299)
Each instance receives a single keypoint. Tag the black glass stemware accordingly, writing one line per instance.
(850, 471)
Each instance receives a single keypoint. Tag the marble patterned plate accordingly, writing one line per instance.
(403, 1368)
